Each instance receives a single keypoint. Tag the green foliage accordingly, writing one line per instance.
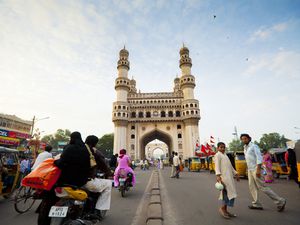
(59, 136)
(106, 145)
(235, 145)
(272, 140)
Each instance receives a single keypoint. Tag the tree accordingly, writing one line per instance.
(235, 146)
(272, 140)
(106, 145)
(59, 136)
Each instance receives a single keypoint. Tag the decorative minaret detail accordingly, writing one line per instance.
(190, 106)
(121, 106)
(176, 84)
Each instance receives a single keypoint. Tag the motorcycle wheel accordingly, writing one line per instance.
(59, 221)
(122, 190)
(101, 213)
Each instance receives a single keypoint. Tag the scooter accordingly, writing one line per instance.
(125, 180)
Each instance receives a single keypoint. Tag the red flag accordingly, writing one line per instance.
(212, 140)
(203, 149)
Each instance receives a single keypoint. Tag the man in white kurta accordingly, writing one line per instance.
(225, 174)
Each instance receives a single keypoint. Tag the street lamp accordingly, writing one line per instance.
(34, 120)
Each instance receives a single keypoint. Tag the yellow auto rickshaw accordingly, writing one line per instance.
(211, 163)
(194, 164)
(279, 166)
(9, 171)
(297, 151)
(240, 164)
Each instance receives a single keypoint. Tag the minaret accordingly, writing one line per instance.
(190, 106)
(176, 84)
(121, 106)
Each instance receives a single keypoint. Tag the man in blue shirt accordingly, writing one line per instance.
(254, 160)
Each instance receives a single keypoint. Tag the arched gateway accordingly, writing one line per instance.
(171, 117)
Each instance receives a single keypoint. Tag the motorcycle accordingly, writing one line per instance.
(76, 206)
(125, 180)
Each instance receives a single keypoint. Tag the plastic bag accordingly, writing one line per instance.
(43, 177)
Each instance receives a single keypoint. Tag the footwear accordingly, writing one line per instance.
(224, 214)
(255, 207)
(281, 207)
(231, 214)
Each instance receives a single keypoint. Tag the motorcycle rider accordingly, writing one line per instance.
(123, 163)
(74, 163)
(95, 184)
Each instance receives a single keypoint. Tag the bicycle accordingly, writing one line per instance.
(24, 199)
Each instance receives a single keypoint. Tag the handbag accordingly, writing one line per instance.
(92, 157)
(43, 177)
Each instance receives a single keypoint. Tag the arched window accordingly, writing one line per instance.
(187, 112)
(170, 114)
(132, 136)
(124, 107)
(191, 105)
(119, 107)
(179, 136)
(178, 126)
(141, 114)
(177, 113)
(132, 127)
(133, 115)
(187, 105)
(124, 115)
(163, 114)
(192, 112)
(148, 114)
(119, 114)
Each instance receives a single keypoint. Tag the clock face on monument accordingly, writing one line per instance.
(155, 113)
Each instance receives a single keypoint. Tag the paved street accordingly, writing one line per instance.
(123, 210)
(190, 200)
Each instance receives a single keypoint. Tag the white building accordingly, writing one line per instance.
(171, 117)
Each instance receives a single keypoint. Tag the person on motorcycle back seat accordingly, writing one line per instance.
(74, 163)
(123, 163)
(95, 184)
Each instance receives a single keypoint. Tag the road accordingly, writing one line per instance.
(190, 200)
(193, 200)
(123, 210)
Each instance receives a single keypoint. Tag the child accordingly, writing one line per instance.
(225, 175)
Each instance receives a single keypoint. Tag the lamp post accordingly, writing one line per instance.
(34, 120)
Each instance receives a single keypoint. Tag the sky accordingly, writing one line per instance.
(58, 59)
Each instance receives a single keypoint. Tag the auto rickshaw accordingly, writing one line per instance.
(9, 171)
(211, 163)
(279, 166)
(194, 164)
(240, 164)
(297, 151)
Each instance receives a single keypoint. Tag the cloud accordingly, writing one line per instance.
(282, 64)
(265, 32)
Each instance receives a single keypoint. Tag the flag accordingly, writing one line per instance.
(212, 140)
(197, 149)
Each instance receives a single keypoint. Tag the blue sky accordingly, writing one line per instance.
(58, 59)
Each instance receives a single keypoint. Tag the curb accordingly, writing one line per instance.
(154, 211)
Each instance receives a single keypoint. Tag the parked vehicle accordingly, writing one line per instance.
(9, 171)
(240, 164)
(297, 151)
(193, 164)
(279, 166)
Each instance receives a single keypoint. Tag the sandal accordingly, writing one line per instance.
(224, 214)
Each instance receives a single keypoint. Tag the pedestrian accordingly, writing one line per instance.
(158, 164)
(225, 174)
(25, 166)
(267, 165)
(176, 164)
(254, 160)
(292, 163)
(42, 156)
(113, 161)
(172, 164)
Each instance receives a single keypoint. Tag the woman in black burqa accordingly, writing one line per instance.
(74, 163)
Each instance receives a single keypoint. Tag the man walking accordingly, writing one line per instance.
(254, 160)
(171, 164)
(176, 164)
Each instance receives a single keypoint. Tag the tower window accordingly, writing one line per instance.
(132, 127)
(196, 105)
(133, 115)
(186, 106)
(192, 112)
(191, 105)
(132, 136)
(187, 112)
(119, 107)
(170, 114)
(177, 113)
(179, 136)
(141, 114)
(124, 107)
(163, 114)
(124, 115)
(178, 126)
(148, 114)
